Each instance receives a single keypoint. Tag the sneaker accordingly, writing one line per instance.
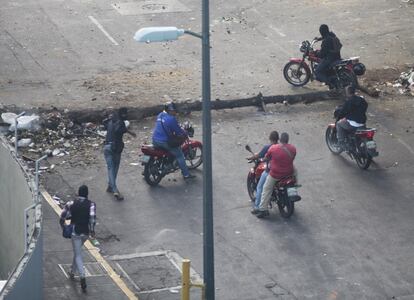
(71, 275)
(189, 176)
(262, 214)
(255, 211)
(83, 284)
(109, 189)
(118, 196)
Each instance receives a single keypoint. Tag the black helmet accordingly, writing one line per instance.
(170, 106)
(359, 69)
(324, 30)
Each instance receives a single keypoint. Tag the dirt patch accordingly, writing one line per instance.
(129, 87)
(385, 79)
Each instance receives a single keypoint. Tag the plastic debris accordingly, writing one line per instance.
(23, 122)
(24, 143)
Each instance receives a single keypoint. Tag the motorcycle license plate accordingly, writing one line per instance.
(292, 191)
(145, 159)
(371, 145)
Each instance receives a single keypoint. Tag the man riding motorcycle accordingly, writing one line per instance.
(330, 52)
(166, 127)
(273, 138)
(281, 165)
(352, 114)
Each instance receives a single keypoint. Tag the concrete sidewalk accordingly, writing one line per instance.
(57, 258)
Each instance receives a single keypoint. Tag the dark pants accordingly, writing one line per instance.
(321, 71)
(342, 127)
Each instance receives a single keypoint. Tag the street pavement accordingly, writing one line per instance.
(350, 236)
(81, 54)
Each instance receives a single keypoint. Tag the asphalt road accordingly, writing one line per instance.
(80, 53)
(350, 236)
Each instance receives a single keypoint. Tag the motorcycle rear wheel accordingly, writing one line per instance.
(194, 157)
(363, 160)
(152, 172)
(331, 140)
(251, 187)
(286, 208)
(346, 78)
(296, 74)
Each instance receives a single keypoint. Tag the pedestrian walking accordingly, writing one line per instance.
(82, 215)
(114, 146)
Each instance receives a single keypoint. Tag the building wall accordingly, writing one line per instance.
(22, 269)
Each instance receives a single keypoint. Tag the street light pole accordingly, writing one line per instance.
(208, 232)
(162, 34)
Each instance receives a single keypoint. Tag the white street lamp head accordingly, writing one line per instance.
(158, 34)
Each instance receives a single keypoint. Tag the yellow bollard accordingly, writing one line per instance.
(185, 280)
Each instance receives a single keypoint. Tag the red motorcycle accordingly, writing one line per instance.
(285, 192)
(360, 144)
(343, 72)
(159, 162)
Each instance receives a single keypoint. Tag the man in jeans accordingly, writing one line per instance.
(281, 165)
(167, 126)
(352, 114)
(273, 138)
(114, 145)
(82, 213)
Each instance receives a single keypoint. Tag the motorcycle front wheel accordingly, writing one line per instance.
(194, 156)
(152, 172)
(332, 141)
(251, 187)
(286, 207)
(296, 74)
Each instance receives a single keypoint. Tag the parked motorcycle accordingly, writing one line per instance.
(285, 192)
(359, 144)
(159, 162)
(343, 72)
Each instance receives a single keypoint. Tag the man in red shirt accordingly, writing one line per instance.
(281, 165)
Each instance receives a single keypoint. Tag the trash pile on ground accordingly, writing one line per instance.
(405, 84)
(53, 132)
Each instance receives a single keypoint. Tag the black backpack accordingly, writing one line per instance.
(336, 45)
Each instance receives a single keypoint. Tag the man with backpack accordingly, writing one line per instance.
(329, 53)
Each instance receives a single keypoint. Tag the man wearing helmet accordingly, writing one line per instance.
(329, 53)
(167, 126)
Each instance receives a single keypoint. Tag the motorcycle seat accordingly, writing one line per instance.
(340, 62)
(288, 180)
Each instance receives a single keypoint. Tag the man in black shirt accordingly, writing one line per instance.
(330, 52)
(82, 215)
(352, 114)
(114, 145)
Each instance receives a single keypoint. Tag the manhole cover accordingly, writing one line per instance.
(150, 7)
(152, 272)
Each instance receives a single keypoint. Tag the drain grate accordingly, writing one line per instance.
(92, 269)
(149, 7)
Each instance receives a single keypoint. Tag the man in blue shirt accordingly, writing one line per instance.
(167, 126)
(273, 138)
